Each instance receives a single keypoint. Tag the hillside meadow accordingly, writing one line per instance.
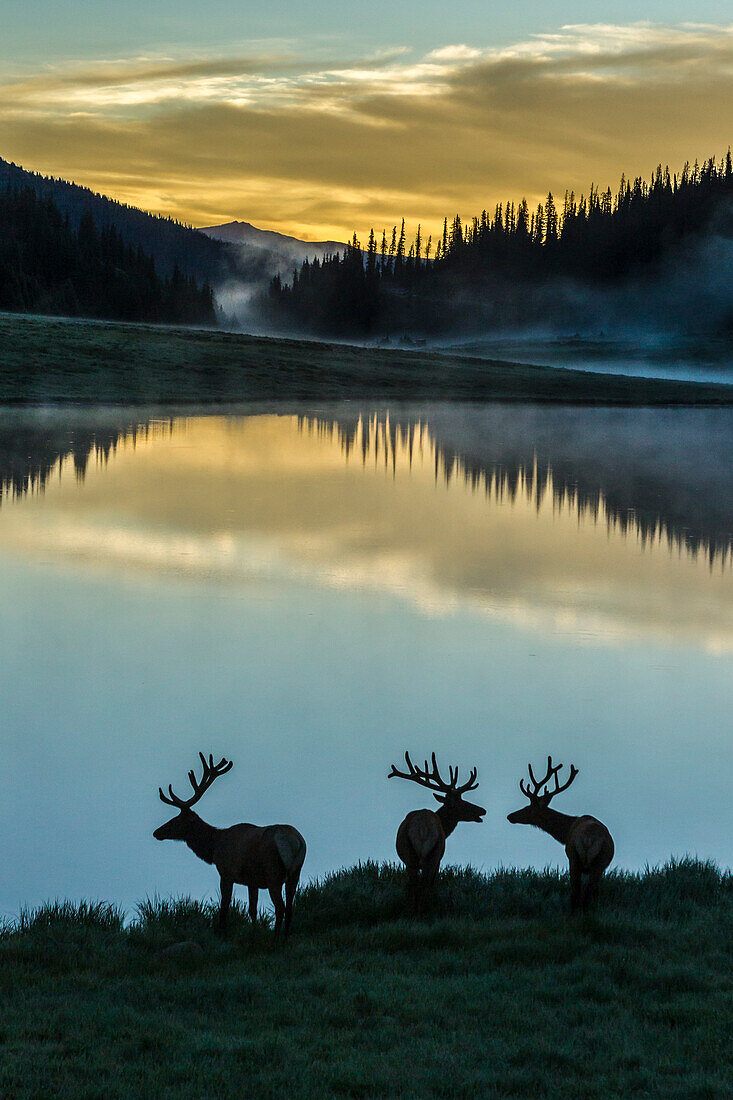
(497, 993)
(45, 360)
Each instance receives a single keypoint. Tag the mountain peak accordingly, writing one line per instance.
(241, 232)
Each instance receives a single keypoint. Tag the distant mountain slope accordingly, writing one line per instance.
(290, 248)
(49, 266)
(169, 241)
(261, 255)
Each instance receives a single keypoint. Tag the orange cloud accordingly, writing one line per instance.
(322, 149)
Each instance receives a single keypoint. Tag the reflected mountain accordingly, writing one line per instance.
(661, 474)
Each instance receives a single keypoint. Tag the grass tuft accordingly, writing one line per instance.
(101, 916)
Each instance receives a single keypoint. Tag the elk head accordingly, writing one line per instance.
(178, 828)
(451, 795)
(539, 798)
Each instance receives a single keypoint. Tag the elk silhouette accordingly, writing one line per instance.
(421, 836)
(588, 843)
(258, 857)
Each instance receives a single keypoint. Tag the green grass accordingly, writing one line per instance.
(498, 993)
(47, 360)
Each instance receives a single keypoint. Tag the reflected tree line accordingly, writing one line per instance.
(613, 470)
(660, 501)
(31, 452)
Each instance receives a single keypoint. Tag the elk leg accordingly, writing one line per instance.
(593, 890)
(291, 885)
(227, 885)
(576, 886)
(413, 889)
(419, 895)
(277, 900)
(429, 875)
(254, 894)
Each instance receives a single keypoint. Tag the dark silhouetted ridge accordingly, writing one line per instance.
(49, 266)
(667, 240)
(172, 243)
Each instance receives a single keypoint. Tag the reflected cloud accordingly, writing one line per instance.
(378, 505)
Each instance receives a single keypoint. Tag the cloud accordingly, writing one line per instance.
(454, 53)
(320, 148)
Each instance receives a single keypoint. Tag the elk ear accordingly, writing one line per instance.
(439, 797)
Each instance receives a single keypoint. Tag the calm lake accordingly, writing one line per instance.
(312, 592)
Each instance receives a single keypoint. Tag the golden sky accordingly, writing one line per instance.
(320, 146)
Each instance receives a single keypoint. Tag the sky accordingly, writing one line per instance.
(321, 119)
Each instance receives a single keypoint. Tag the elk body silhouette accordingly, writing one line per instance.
(258, 857)
(421, 836)
(588, 843)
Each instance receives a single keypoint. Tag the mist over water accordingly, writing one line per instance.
(643, 354)
(312, 593)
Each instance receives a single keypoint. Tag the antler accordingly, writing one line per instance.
(432, 779)
(211, 772)
(536, 794)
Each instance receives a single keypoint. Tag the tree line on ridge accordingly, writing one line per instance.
(496, 267)
(48, 265)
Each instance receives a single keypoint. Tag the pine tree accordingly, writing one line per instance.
(550, 220)
(400, 253)
(371, 261)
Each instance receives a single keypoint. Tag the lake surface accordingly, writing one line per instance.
(312, 592)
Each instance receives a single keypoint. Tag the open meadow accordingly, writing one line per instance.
(57, 360)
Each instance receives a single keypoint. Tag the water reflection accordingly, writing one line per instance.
(313, 593)
(664, 474)
(382, 504)
(35, 445)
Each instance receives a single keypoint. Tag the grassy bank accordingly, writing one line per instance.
(498, 994)
(53, 360)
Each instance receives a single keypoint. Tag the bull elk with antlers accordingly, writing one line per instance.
(258, 857)
(421, 836)
(588, 843)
